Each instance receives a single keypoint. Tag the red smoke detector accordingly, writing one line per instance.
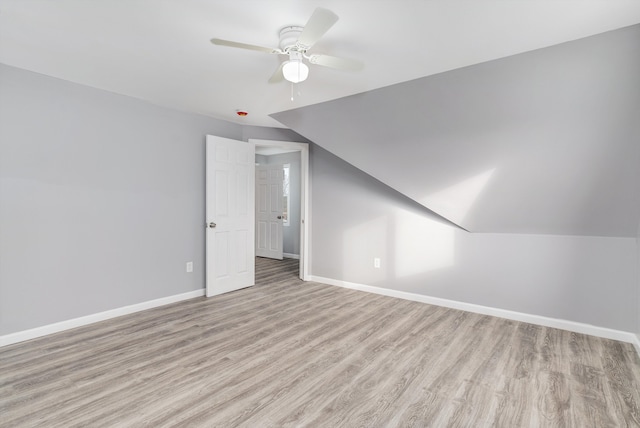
(241, 113)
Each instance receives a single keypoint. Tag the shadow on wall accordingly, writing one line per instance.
(463, 193)
(408, 242)
(405, 244)
(555, 276)
(357, 219)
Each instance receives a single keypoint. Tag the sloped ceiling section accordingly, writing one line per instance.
(543, 142)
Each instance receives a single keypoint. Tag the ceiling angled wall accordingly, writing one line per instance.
(543, 142)
(161, 51)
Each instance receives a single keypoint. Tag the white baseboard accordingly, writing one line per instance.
(21, 336)
(577, 327)
(592, 330)
(291, 256)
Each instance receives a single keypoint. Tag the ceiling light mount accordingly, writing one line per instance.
(289, 37)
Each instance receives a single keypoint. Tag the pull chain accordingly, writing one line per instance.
(297, 92)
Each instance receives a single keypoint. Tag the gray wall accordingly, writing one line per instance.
(101, 200)
(355, 218)
(102, 203)
(541, 142)
(291, 233)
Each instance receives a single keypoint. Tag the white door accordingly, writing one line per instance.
(269, 210)
(230, 215)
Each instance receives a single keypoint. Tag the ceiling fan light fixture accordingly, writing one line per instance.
(295, 71)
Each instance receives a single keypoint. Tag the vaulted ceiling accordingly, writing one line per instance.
(544, 142)
(159, 50)
(501, 116)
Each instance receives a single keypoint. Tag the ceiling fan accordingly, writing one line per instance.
(295, 42)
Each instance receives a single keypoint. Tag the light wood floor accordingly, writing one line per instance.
(287, 353)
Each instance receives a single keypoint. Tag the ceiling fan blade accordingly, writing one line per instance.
(335, 62)
(232, 44)
(277, 75)
(319, 23)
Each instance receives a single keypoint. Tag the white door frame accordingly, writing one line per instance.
(305, 196)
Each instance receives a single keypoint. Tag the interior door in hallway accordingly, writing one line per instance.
(230, 214)
(269, 210)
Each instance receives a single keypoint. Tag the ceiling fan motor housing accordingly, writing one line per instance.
(289, 37)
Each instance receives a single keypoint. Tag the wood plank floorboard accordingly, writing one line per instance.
(287, 353)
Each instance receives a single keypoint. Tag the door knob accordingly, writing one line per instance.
(212, 225)
(279, 217)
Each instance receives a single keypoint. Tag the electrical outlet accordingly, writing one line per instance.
(376, 262)
(189, 267)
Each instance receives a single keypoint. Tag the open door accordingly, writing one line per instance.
(230, 214)
(305, 192)
(269, 210)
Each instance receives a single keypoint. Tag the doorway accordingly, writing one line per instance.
(296, 221)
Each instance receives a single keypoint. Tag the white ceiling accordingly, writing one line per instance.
(159, 50)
